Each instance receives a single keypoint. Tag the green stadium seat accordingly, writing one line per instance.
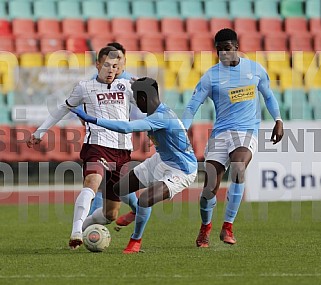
(143, 8)
(45, 9)
(167, 9)
(314, 96)
(216, 9)
(69, 9)
(20, 9)
(292, 8)
(118, 9)
(191, 9)
(241, 9)
(313, 9)
(294, 97)
(3, 11)
(92, 9)
(266, 9)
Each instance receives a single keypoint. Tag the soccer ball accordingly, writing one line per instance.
(96, 238)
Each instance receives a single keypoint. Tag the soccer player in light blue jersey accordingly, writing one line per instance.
(233, 85)
(170, 170)
(130, 199)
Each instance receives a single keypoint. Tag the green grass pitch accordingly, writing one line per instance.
(278, 243)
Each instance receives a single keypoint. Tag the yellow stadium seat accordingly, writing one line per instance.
(154, 59)
(80, 59)
(56, 59)
(276, 61)
(31, 60)
(178, 61)
(8, 64)
(258, 57)
(170, 79)
(290, 78)
(302, 61)
(188, 80)
(204, 60)
(312, 78)
(274, 82)
(134, 59)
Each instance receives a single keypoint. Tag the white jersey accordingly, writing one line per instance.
(109, 101)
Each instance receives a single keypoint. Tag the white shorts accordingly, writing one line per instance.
(219, 148)
(154, 169)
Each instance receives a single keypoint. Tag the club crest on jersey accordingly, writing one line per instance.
(121, 87)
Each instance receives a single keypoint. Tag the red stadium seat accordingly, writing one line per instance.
(51, 43)
(74, 136)
(177, 42)
(276, 42)
(244, 25)
(202, 42)
(122, 25)
(23, 27)
(130, 41)
(152, 43)
(300, 42)
(147, 26)
(195, 25)
(270, 25)
(200, 134)
(294, 25)
(5, 28)
(315, 26)
(76, 44)
(98, 42)
(317, 42)
(172, 26)
(26, 44)
(48, 27)
(8, 146)
(73, 27)
(217, 24)
(7, 43)
(96, 26)
(250, 42)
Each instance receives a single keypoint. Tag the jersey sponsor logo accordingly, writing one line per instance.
(121, 87)
(111, 98)
(241, 94)
(249, 76)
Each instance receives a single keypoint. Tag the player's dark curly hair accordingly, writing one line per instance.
(225, 35)
(142, 86)
(109, 51)
(118, 46)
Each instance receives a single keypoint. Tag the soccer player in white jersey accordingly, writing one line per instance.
(104, 152)
(233, 85)
(170, 170)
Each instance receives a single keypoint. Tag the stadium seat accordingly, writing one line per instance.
(26, 44)
(241, 9)
(293, 96)
(3, 11)
(74, 136)
(76, 44)
(250, 42)
(118, 9)
(313, 9)
(45, 10)
(187, 80)
(167, 9)
(31, 60)
(303, 61)
(276, 61)
(295, 25)
(6, 44)
(51, 43)
(142, 8)
(301, 42)
(170, 80)
(317, 42)
(314, 97)
(191, 9)
(9, 152)
(201, 42)
(5, 27)
(217, 24)
(154, 59)
(122, 25)
(172, 26)
(290, 78)
(130, 41)
(73, 27)
(146, 26)
(23, 27)
(56, 59)
(177, 42)
(195, 25)
(69, 9)
(242, 25)
(98, 42)
(258, 57)
(152, 42)
(266, 9)
(48, 27)
(200, 135)
(270, 25)
(80, 59)
(292, 8)
(204, 60)
(20, 9)
(178, 61)
(312, 78)
(93, 9)
(216, 9)
(315, 26)
(276, 42)
(95, 26)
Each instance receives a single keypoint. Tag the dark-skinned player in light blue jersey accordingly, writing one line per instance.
(169, 171)
(233, 85)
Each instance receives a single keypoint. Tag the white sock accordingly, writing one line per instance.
(97, 217)
(81, 210)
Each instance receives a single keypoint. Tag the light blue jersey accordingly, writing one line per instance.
(234, 92)
(166, 132)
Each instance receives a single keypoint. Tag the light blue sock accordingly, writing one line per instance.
(142, 217)
(97, 202)
(234, 198)
(206, 209)
(131, 200)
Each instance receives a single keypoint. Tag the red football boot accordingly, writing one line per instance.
(226, 234)
(204, 235)
(133, 246)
